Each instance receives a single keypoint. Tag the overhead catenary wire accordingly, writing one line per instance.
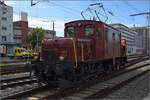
(75, 12)
(131, 6)
(120, 17)
(67, 9)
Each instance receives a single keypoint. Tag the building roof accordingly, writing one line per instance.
(20, 21)
(2, 3)
(46, 30)
(119, 25)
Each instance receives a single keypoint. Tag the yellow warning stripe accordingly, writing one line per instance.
(82, 48)
(75, 53)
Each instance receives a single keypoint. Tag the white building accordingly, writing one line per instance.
(128, 35)
(6, 23)
(6, 27)
(144, 32)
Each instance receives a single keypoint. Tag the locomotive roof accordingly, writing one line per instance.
(92, 21)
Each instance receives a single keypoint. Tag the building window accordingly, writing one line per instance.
(4, 38)
(4, 28)
(4, 9)
(113, 36)
(4, 18)
(17, 37)
(106, 34)
(99, 33)
(4, 12)
(89, 30)
(70, 32)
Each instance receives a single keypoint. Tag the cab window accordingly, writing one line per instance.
(98, 33)
(89, 30)
(19, 51)
(16, 50)
(70, 31)
(23, 50)
(106, 34)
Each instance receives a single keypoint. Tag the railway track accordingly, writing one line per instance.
(112, 87)
(101, 90)
(132, 61)
(14, 85)
(16, 82)
(103, 81)
(11, 69)
(43, 91)
(135, 56)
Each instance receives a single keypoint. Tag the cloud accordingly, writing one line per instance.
(44, 23)
(10, 3)
(132, 25)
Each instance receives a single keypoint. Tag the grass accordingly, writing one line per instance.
(17, 63)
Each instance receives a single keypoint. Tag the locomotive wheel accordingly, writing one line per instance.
(100, 69)
(68, 75)
(82, 73)
(108, 69)
(117, 66)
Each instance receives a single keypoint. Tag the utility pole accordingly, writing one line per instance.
(53, 28)
(37, 39)
(149, 30)
(53, 25)
(149, 16)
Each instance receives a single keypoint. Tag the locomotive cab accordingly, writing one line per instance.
(80, 29)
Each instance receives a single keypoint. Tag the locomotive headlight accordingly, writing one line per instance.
(61, 57)
(35, 57)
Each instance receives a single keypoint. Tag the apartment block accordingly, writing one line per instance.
(6, 23)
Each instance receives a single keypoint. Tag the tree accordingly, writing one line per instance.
(32, 36)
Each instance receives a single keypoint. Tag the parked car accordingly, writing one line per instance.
(22, 53)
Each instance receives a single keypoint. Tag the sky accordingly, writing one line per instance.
(61, 11)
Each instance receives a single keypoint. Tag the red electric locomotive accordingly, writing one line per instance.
(88, 49)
